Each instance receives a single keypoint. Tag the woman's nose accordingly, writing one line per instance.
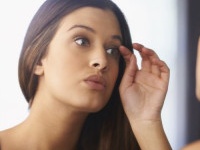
(99, 61)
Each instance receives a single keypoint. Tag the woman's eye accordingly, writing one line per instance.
(82, 41)
(113, 52)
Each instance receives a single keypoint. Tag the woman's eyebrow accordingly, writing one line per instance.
(83, 27)
(117, 37)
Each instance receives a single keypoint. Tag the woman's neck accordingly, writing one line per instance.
(53, 126)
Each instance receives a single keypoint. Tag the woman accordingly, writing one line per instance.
(196, 145)
(80, 77)
(198, 71)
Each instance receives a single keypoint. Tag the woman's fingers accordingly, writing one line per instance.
(164, 70)
(131, 65)
(145, 64)
(155, 70)
(126, 54)
(150, 60)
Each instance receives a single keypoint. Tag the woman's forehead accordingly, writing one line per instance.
(91, 17)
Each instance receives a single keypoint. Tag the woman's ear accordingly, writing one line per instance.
(39, 69)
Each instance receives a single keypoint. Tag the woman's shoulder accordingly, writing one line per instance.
(1, 132)
(5, 136)
(192, 146)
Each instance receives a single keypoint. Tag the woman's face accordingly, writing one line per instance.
(198, 71)
(81, 65)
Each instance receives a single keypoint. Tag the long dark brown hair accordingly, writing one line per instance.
(108, 129)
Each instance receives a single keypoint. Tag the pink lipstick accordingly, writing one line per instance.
(96, 82)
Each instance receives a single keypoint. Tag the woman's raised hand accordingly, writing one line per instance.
(143, 90)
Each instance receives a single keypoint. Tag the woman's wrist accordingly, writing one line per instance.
(150, 134)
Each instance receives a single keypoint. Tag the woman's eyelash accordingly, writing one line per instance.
(113, 51)
(82, 41)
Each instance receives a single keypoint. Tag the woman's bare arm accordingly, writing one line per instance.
(143, 92)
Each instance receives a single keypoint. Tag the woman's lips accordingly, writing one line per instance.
(96, 82)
